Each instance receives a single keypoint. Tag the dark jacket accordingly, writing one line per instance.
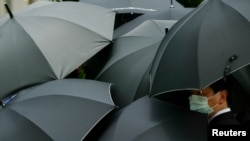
(227, 118)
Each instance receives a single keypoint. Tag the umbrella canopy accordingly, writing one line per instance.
(128, 10)
(48, 40)
(150, 119)
(61, 110)
(241, 6)
(130, 60)
(243, 77)
(166, 14)
(137, 6)
(203, 47)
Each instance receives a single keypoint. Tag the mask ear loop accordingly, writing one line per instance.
(227, 68)
(212, 97)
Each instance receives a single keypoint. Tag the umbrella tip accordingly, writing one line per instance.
(172, 4)
(8, 10)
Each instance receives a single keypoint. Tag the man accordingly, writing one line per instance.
(213, 100)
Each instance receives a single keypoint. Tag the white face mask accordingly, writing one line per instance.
(200, 104)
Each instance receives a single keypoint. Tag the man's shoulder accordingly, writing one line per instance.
(226, 118)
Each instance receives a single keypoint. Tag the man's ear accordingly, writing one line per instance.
(223, 96)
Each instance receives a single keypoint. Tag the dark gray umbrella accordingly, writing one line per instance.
(61, 110)
(166, 14)
(243, 77)
(136, 6)
(48, 40)
(241, 6)
(149, 119)
(203, 47)
(128, 10)
(130, 60)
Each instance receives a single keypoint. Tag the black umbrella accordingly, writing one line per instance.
(130, 60)
(203, 47)
(149, 119)
(61, 110)
(48, 40)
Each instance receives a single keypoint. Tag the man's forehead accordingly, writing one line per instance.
(205, 90)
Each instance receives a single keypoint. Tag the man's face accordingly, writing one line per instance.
(209, 93)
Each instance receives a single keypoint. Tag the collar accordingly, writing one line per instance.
(219, 113)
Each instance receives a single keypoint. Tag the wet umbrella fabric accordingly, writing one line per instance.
(243, 77)
(130, 60)
(129, 10)
(174, 14)
(62, 110)
(150, 119)
(48, 40)
(242, 6)
(204, 46)
(136, 6)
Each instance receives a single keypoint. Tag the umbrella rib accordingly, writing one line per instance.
(29, 121)
(53, 94)
(88, 56)
(67, 21)
(236, 11)
(158, 27)
(160, 52)
(95, 124)
(36, 45)
(120, 59)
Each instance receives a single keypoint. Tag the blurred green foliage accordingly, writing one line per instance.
(190, 3)
(81, 72)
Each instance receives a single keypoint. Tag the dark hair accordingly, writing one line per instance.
(219, 85)
(223, 84)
